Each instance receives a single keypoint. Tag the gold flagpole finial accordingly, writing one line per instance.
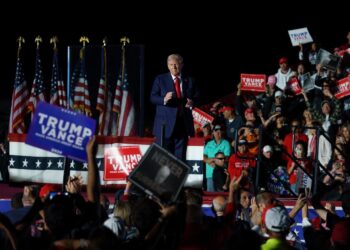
(104, 41)
(54, 40)
(20, 40)
(38, 40)
(124, 40)
(84, 40)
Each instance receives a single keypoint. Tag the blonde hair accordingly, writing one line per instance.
(122, 210)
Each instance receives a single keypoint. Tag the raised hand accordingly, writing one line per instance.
(74, 184)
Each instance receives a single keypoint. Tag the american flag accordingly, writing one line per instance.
(116, 106)
(19, 101)
(104, 99)
(58, 92)
(37, 93)
(31, 164)
(118, 95)
(81, 96)
(126, 125)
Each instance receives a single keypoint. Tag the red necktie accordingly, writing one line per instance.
(177, 87)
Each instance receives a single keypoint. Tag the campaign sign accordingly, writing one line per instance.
(300, 36)
(328, 60)
(294, 86)
(253, 82)
(60, 131)
(343, 86)
(200, 118)
(160, 174)
(307, 82)
(120, 161)
(341, 53)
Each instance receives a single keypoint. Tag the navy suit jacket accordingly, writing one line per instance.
(167, 114)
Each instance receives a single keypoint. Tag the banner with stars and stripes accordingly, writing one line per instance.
(31, 164)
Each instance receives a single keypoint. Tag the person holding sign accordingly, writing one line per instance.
(174, 95)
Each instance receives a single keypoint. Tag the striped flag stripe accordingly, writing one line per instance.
(19, 101)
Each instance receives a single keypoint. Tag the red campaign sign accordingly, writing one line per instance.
(294, 86)
(253, 82)
(200, 117)
(342, 52)
(343, 88)
(120, 161)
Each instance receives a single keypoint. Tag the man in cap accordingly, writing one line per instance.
(274, 104)
(241, 161)
(277, 224)
(284, 73)
(217, 144)
(232, 121)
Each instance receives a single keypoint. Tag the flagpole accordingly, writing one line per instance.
(66, 170)
(84, 40)
(33, 99)
(20, 40)
(104, 41)
(124, 40)
(103, 120)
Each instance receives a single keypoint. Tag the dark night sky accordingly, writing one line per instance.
(217, 43)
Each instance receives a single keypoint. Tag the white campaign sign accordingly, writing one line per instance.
(300, 36)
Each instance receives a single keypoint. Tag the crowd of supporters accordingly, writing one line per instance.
(283, 139)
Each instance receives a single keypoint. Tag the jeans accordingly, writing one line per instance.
(210, 185)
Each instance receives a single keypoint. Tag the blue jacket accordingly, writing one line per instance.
(167, 114)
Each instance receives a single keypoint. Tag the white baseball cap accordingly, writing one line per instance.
(267, 148)
(277, 219)
(278, 93)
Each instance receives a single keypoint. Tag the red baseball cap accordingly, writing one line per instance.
(283, 60)
(225, 108)
(248, 110)
(47, 188)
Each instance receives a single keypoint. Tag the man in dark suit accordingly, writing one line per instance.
(174, 96)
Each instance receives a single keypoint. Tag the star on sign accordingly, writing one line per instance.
(72, 164)
(38, 163)
(59, 164)
(196, 168)
(25, 163)
(12, 162)
(85, 165)
(49, 163)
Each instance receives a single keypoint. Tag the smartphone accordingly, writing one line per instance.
(53, 194)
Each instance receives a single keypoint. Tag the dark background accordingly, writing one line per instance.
(217, 42)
